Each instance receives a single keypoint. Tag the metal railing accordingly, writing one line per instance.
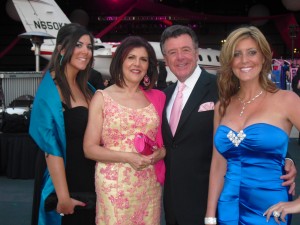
(16, 84)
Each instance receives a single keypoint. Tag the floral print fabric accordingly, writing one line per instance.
(126, 196)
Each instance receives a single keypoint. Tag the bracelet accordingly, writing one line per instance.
(210, 220)
(290, 160)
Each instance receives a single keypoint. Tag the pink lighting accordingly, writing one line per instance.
(143, 18)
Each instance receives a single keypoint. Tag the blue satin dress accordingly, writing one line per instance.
(255, 161)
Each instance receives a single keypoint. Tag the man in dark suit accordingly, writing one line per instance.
(162, 76)
(96, 80)
(189, 147)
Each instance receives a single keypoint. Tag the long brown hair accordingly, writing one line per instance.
(228, 83)
(67, 39)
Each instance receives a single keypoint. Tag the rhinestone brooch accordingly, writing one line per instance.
(236, 139)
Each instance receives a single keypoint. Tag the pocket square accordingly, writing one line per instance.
(206, 106)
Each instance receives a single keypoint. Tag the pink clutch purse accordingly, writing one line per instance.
(143, 144)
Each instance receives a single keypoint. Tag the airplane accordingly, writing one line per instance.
(46, 17)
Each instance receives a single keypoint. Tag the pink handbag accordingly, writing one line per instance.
(143, 144)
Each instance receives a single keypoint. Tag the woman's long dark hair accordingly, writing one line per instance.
(67, 39)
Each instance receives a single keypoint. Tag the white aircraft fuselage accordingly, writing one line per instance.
(46, 16)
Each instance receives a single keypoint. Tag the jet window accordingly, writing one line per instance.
(200, 58)
(98, 47)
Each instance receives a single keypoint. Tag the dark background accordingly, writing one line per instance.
(210, 28)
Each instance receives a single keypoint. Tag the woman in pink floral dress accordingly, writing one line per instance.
(128, 184)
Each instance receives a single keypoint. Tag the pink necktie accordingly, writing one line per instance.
(176, 109)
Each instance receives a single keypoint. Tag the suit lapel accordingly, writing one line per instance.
(199, 92)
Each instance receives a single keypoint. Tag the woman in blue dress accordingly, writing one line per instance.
(252, 123)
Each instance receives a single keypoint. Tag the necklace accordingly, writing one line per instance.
(248, 102)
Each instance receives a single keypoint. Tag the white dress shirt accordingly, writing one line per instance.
(190, 84)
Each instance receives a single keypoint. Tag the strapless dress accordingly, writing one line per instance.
(255, 161)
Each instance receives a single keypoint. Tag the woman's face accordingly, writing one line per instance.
(247, 60)
(82, 53)
(135, 65)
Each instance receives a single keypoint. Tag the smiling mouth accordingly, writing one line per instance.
(246, 69)
(135, 71)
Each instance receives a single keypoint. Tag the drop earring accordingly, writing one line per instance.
(61, 59)
(146, 80)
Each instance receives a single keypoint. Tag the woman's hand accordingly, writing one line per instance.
(138, 161)
(157, 155)
(280, 210)
(67, 206)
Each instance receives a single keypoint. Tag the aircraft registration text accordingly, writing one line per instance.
(48, 25)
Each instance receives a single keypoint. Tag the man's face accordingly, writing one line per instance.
(181, 56)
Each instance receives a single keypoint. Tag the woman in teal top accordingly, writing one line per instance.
(58, 121)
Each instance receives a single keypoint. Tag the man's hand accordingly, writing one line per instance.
(290, 176)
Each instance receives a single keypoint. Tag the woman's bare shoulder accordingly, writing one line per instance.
(284, 99)
(285, 95)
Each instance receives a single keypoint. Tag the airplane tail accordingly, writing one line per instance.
(41, 16)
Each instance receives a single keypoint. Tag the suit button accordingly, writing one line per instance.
(174, 145)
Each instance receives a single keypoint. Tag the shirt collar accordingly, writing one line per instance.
(192, 80)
